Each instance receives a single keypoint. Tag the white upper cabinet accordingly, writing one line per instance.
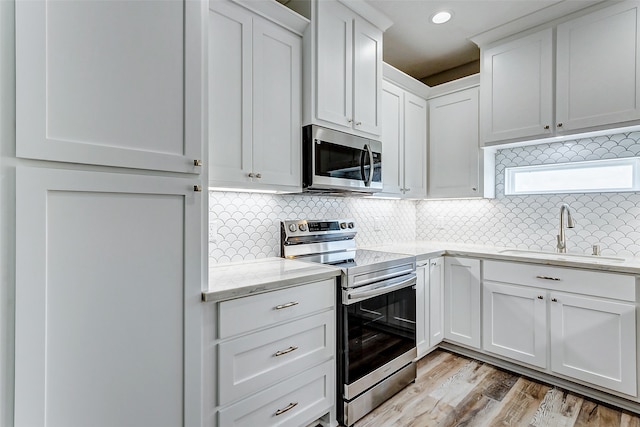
(255, 95)
(457, 165)
(415, 146)
(404, 142)
(345, 67)
(393, 139)
(517, 83)
(598, 68)
(110, 83)
(596, 77)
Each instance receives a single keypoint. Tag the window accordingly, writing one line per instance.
(596, 176)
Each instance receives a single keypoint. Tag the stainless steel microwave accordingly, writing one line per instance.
(337, 162)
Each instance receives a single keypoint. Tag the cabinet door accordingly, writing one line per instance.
(454, 153)
(517, 83)
(334, 74)
(392, 138)
(436, 301)
(367, 77)
(515, 322)
(230, 94)
(598, 68)
(422, 310)
(415, 146)
(277, 97)
(462, 301)
(594, 340)
(108, 300)
(110, 83)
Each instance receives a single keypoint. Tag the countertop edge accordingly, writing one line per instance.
(267, 286)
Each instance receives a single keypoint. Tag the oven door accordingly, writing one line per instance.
(379, 332)
(335, 161)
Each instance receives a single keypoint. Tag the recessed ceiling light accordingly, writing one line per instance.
(441, 17)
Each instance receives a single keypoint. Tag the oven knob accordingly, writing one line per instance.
(302, 227)
(343, 225)
(293, 227)
(351, 225)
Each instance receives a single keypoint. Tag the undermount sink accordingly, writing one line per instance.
(563, 257)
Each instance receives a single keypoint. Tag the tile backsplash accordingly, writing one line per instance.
(611, 220)
(247, 225)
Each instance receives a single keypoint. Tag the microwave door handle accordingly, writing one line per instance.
(362, 165)
(367, 181)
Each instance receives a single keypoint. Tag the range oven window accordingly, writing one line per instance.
(340, 161)
(378, 330)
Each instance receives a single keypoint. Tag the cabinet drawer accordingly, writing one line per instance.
(307, 395)
(588, 282)
(246, 314)
(252, 362)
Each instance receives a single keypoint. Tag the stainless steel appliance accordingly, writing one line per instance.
(338, 162)
(376, 317)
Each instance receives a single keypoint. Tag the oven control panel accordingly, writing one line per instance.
(303, 227)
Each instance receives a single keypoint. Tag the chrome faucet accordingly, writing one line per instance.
(562, 240)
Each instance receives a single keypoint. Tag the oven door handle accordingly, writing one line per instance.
(378, 289)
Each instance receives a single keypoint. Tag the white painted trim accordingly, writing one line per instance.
(399, 78)
(369, 13)
(277, 13)
(455, 86)
(549, 16)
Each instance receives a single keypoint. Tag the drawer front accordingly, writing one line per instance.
(253, 362)
(294, 402)
(246, 314)
(588, 282)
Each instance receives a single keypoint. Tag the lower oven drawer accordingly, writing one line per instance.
(258, 360)
(294, 402)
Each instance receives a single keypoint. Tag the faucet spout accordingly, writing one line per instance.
(562, 240)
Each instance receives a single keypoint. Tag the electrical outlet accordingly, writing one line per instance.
(213, 230)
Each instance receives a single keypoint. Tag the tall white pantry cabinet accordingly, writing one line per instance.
(109, 112)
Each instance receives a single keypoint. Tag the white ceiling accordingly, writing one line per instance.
(419, 48)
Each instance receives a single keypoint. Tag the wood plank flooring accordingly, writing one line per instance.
(453, 390)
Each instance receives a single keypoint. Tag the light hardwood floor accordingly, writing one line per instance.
(453, 390)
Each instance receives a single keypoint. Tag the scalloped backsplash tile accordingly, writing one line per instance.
(248, 224)
(611, 220)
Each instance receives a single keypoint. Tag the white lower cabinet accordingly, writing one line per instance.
(436, 301)
(429, 304)
(594, 340)
(274, 354)
(515, 322)
(288, 403)
(108, 312)
(591, 334)
(462, 301)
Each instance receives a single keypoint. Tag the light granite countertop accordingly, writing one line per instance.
(239, 279)
(424, 250)
(244, 278)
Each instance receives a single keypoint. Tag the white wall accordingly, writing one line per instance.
(7, 210)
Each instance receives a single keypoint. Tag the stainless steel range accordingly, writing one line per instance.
(376, 317)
